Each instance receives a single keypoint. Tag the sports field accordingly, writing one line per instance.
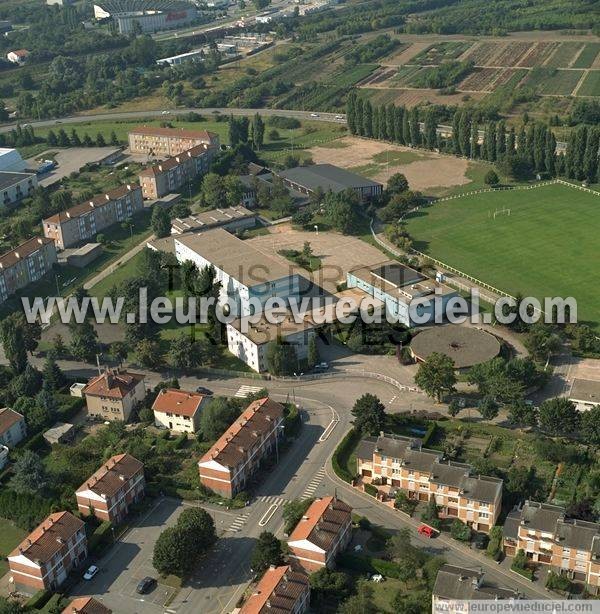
(547, 246)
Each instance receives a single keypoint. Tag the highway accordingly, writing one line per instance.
(303, 470)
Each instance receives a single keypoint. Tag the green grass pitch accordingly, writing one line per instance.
(547, 246)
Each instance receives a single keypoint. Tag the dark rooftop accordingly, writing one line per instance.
(398, 274)
(8, 179)
(327, 177)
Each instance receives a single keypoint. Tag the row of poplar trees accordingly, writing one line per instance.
(528, 150)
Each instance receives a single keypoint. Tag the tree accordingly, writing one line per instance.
(216, 417)
(488, 408)
(436, 375)
(100, 142)
(119, 351)
(213, 191)
(454, 408)
(174, 552)
(341, 211)
(84, 341)
(313, 352)
(37, 417)
(326, 584)
(542, 341)
(29, 475)
(268, 551)
(258, 132)
(590, 425)
(282, 358)
(397, 183)
(369, 414)
(13, 342)
(186, 353)
(491, 178)
(520, 412)
(8, 606)
(431, 514)
(148, 353)
(160, 221)
(200, 527)
(361, 602)
(53, 377)
(460, 531)
(559, 415)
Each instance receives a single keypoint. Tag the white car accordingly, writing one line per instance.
(314, 115)
(92, 570)
(377, 578)
(339, 117)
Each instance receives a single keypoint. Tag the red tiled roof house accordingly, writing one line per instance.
(86, 605)
(280, 591)
(178, 410)
(112, 489)
(114, 394)
(236, 456)
(44, 559)
(323, 531)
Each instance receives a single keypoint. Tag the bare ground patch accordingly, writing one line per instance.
(428, 170)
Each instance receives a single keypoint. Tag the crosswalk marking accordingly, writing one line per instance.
(272, 499)
(245, 391)
(238, 523)
(312, 486)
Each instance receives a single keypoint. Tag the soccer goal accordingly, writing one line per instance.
(503, 211)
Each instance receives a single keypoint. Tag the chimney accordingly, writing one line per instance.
(129, 187)
(107, 196)
(68, 214)
(40, 241)
(160, 167)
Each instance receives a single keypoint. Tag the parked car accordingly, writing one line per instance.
(145, 585)
(377, 578)
(315, 115)
(91, 571)
(481, 541)
(426, 530)
(203, 390)
(322, 366)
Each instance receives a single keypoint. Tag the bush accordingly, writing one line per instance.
(491, 178)
(100, 537)
(460, 531)
(68, 406)
(39, 600)
(494, 547)
(342, 454)
(429, 433)
(371, 490)
(287, 123)
(557, 582)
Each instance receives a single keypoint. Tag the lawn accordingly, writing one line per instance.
(591, 84)
(529, 251)
(10, 537)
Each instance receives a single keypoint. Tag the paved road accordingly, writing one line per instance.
(75, 119)
(303, 470)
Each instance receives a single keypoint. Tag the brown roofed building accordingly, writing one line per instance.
(25, 264)
(12, 427)
(86, 605)
(162, 142)
(44, 559)
(178, 410)
(84, 221)
(174, 173)
(114, 394)
(323, 532)
(235, 457)
(112, 489)
(280, 591)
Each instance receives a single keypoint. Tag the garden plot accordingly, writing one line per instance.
(480, 80)
(511, 55)
(440, 52)
(589, 56)
(538, 55)
(482, 54)
(510, 77)
(591, 84)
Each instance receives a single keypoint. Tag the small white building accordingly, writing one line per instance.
(14, 187)
(175, 60)
(249, 341)
(585, 394)
(18, 56)
(178, 410)
(3, 456)
(12, 427)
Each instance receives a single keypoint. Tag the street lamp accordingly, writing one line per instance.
(317, 229)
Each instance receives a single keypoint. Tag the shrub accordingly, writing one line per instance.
(557, 582)
(39, 600)
(460, 531)
(287, 123)
(494, 547)
(371, 490)
(342, 454)
(100, 537)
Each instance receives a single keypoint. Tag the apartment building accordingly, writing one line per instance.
(569, 546)
(232, 219)
(230, 463)
(12, 427)
(164, 142)
(281, 590)
(176, 172)
(14, 187)
(456, 585)
(25, 264)
(247, 275)
(84, 221)
(114, 394)
(44, 559)
(112, 489)
(86, 605)
(323, 532)
(394, 463)
(178, 410)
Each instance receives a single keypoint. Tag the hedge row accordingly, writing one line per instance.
(429, 433)
(342, 454)
(370, 565)
(39, 600)
(100, 537)
(371, 490)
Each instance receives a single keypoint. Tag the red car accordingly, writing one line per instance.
(427, 531)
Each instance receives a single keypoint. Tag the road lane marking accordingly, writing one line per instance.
(245, 391)
(268, 515)
(328, 430)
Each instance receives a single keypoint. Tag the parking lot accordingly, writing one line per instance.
(130, 560)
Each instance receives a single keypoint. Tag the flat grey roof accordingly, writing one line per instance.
(235, 257)
(465, 345)
(209, 219)
(8, 179)
(398, 274)
(327, 177)
(586, 390)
